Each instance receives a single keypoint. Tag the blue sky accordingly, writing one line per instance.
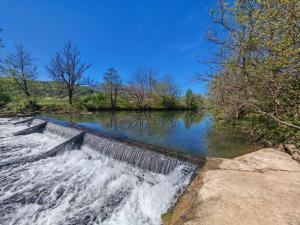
(164, 34)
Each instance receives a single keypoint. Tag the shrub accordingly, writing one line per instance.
(27, 105)
(4, 98)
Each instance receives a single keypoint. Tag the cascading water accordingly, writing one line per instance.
(15, 148)
(136, 156)
(60, 130)
(7, 129)
(89, 185)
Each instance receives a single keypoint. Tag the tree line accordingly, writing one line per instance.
(67, 69)
(256, 77)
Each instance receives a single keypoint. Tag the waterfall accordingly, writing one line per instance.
(36, 140)
(36, 122)
(87, 185)
(65, 132)
(142, 158)
(27, 121)
(138, 156)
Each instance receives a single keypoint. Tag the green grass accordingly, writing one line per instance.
(52, 101)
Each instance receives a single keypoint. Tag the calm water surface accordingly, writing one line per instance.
(190, 132)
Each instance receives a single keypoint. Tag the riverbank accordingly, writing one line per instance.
(75, 109)
(258, 188)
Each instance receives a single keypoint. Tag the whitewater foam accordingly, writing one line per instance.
(8, 126)
(85, 187)
(81, 186)
(14, 148)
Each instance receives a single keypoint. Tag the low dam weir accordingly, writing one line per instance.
(55, 173)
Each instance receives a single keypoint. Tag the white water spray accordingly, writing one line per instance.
(81, 187)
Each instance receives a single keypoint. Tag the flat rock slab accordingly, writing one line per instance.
(265, 159)
(260, 188)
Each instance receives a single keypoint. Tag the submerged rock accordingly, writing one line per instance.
(259, 188)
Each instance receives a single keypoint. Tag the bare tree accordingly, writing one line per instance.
(112, 83)
(142, 84)
(19, 66)
(168, 87)
(151, 74)
(67, 69)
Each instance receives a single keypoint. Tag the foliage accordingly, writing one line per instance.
(257, 82)
(190, 100)
(169, 102)
(94, 101)
(168, 90)
(24, 105)
(4, 98)
(4, 95)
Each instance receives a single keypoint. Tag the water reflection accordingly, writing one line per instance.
(187, 131)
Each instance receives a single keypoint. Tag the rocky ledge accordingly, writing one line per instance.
(260, 188)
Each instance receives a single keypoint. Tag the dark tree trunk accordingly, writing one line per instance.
(26, 90)
(27, 93)
(115, 98)
(111, 98)
(70, 97)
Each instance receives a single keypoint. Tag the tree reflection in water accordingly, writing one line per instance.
(186, 131)
(139, 123)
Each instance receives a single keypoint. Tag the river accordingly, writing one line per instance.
(186, 131)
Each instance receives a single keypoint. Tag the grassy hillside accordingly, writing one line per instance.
(45, 95)
(42, 88)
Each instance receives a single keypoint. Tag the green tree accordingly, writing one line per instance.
(257, 84)
(190, 100)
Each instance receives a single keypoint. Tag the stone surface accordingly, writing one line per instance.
(293, 151)
(265, 159)
(259, 188)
